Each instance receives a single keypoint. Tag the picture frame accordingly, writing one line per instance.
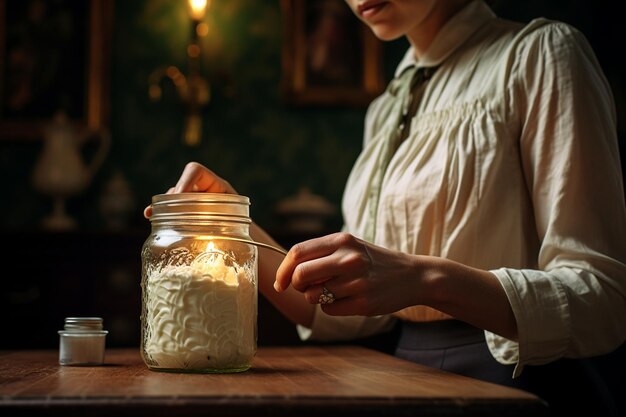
(329, 57)
(53, 56)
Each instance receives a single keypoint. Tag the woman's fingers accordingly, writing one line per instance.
(297, 255)
(322, 294)
(335, 288)
(335, 303)
(198, 178)
(314, 294)
(192, 174)
(310, 262)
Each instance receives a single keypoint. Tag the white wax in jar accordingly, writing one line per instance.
(201, 316)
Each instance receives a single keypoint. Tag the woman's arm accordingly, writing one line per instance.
(370, 280)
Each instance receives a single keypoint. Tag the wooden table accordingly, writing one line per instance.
(294, 381)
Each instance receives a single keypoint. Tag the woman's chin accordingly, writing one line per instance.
(385, 33)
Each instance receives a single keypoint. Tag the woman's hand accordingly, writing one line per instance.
(197, 178)
(368, 280)
(364, 279)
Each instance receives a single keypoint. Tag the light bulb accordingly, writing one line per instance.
(197, 9)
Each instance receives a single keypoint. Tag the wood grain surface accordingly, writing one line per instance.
(295, 381)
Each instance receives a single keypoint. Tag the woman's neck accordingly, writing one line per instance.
(423, 34)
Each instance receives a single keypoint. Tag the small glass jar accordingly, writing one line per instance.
(81, 342)
(199, 285)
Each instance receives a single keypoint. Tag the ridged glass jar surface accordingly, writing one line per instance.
(199, 285)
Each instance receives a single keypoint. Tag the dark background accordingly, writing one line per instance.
(266, 148)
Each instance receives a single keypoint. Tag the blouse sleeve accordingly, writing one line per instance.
(574, 304)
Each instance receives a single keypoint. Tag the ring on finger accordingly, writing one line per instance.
(326, 297)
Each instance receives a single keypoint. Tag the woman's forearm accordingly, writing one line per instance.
(468, 294)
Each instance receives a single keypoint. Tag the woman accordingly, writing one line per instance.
(485, 212)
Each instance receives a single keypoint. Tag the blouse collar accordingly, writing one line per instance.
(450, 37)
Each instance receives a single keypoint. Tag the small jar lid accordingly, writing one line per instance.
(83, 325)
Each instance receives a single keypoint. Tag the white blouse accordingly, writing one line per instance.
(511, 166)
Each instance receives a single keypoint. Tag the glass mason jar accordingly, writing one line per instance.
(199, 285)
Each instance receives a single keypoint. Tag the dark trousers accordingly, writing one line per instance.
(588, 387)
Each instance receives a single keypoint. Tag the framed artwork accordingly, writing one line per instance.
(329, 56)
(54, 56)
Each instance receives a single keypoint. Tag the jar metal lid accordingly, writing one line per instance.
(83, 325)
(232, 207)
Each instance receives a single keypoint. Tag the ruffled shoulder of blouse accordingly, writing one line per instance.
(553, 41)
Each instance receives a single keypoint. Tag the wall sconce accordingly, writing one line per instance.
(193, 89)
